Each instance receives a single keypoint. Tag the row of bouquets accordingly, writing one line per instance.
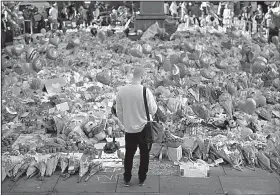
(40, 166)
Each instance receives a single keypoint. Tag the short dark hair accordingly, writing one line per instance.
(212, 18)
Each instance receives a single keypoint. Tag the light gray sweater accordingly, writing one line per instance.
(130, 107)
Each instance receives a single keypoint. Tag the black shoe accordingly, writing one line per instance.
(126, 184)
(141, 183)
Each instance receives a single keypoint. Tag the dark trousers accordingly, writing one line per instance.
(198, 20)
(131, 142)
(271, 33)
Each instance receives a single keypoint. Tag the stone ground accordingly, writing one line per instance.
(222, 179)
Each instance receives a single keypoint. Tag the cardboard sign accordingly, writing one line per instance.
(55, 85)
(193, 170)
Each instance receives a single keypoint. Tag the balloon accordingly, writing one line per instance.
(31, 54)
(249, 106)
(93, 31)
(14, 15)
(54, 41)
(174, 59)
(8, 51)
(17, 50)
(44, 41)
(160, 58)
(26, 67)
(20, 19)
(167, 66)
(52, 53)
(101, 36)
(20, 13)
(48, 34)
(75, 42)
(14, 25)
(27, 39)
(43, 31)
(37, 65)
(34, 38)
(147, 49)
(175, 70)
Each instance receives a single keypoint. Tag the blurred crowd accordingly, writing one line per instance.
(255, 16)
(252, 17)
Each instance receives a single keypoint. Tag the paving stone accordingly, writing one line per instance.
(33, 185)
(7, 185)
(20, 193)
(206, 194)
(151, 185)
(163, 194)
(229, 171)
(217, 171)
(70, 193)
(205, 185)
(252, 185)
(95, 184)
(169, 184)
(136, 193)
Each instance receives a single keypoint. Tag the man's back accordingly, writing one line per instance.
(131, 109)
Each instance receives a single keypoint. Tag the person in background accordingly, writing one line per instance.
(130, 109)
(3, 31)
(247, 18)
(270, 27)
(203, 21)
(204, 6)
(72, 11)
(166, 8)
(97, 11)
(38, 19)
(53, 12)
(187, 19)
(268, 20)
(88, 16)
(64, 12)
(114, 17)
(239, 24)
(196, 13)
(220, 13)
(183, 11)
(44, 14)
(212, 21)
(227, 16)
(259, 18)
(174, 9)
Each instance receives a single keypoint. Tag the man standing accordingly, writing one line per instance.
(196, 13)
(54, 15)
(3, 31)
(130, 110)
(174, 9)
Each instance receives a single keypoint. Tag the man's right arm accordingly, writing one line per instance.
(119, 109)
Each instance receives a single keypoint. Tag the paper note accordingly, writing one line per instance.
(63, 106)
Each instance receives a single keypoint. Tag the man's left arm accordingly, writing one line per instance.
(152, 105)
